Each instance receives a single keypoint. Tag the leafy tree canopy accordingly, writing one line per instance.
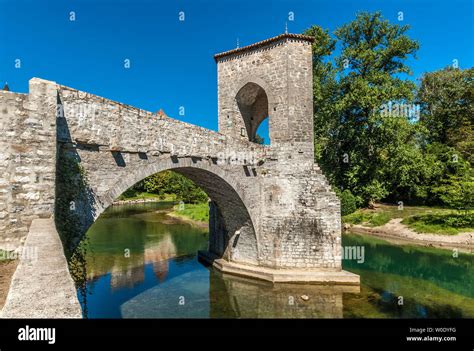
(367, 140)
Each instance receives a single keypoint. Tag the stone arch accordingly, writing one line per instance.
(259, 81)
(232, 233)
(255, 103)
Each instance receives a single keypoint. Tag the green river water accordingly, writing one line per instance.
(141, 263)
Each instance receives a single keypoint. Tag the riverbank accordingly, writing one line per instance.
(7, 268)
(141, 198)
(182, 218)
(419, 225)
(397, 233)
(135, 201)
(421, 219)
(195, 214)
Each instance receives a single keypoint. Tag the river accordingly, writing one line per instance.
(141, 263)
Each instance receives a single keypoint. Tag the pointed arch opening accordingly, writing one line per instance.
(253, 102)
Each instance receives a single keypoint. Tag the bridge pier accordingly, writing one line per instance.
(273, 275)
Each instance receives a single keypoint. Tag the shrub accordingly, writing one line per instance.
(457, 192)
(450, 220)
(348, 203)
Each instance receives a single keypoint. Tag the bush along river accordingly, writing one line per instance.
(140, 263)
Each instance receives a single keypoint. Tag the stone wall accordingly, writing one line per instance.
(27, 159)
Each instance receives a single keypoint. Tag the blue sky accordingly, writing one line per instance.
(172, 61)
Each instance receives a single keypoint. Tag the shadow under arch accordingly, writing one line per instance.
(232, 234)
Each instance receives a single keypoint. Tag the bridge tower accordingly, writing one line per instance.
(269, 79)
(296, 215)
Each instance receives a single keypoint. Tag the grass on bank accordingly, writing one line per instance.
(197, 212)
(451, 224)
(419, 218)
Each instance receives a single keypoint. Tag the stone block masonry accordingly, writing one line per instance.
(27, 160)
(271, 207)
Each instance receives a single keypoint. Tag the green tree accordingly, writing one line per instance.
(368, 74)
(457, 192)
(406, 169)
(348, 202)
(169, 182)
(377, 155)
(447, 100)
(325, 88)
(447, 167)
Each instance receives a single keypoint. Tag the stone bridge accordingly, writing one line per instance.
(69, 154)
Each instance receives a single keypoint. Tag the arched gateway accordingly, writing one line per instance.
(273, 214)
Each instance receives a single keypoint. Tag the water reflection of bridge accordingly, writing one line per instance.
(157, 254)
(216, 295)
(248, 298)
